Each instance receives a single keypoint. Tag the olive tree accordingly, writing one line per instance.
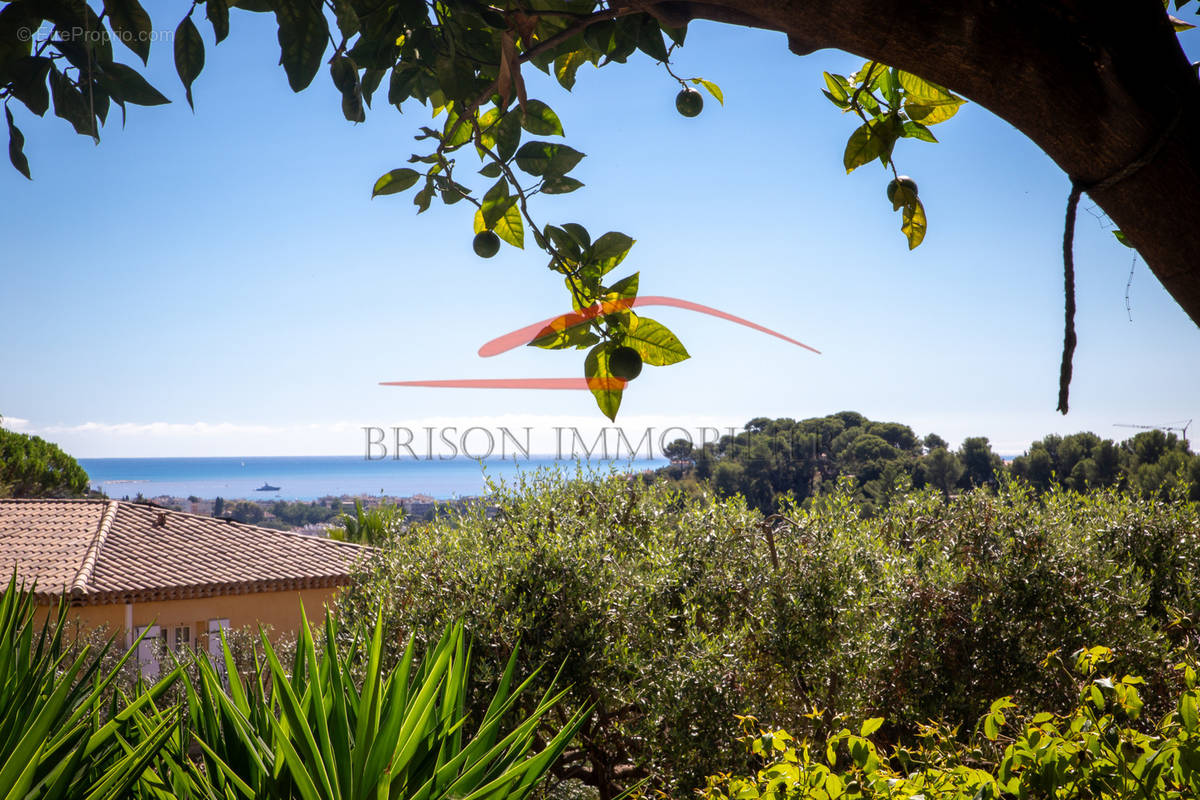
(1103, 88)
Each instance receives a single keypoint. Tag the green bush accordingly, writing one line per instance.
(1093, 750)
(672, 613)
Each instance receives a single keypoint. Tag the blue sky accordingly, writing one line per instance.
(220, 283)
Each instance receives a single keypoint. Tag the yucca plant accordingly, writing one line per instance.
(315, 735)
(62, 735)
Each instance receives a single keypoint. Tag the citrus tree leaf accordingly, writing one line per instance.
(566, 65)
(608, 251)
(626, 288)
(16, 146)
(561, 185)
(29, 82)
(1122, 238)
(605, 387)
(510, 228)
(70, 104)
(837, 92)
(568, 330)
(189, 55)
(932, 114)
(132, 25)
(548, 159)
(650, 39)
(712, 89)
(540, 120)
(217, 13)
(654, 342)
(915, 130)
(496, 204)
(925, 92)
(913, 225)
(126, 85)
(868, 142)
(303, 35)
(395, 181)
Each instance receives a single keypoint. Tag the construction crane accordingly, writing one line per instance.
(1181, 426)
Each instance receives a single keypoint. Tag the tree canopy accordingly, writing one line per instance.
(1106, 92)
(32, 467)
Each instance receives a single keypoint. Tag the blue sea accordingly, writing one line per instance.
(312, 477)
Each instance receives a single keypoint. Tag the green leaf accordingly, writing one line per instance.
(563, 242)
(189, 55)
(507, 134)
(579, 233)
(604, 386)
(626, 288)
(423, 198)
(16, 146)
(649, 38)
(303, 35)
(608, 251)
(867, 143)
(217, 12)
(926, 102)
(561, 185)
(836, 90)
(712, 88)
(654, 342)
(132, 25)
(561, 334)
(491, 170)
(915, 130)
(870, 726)
(903, 196)
(540, 120)
(1122, 238)
(924, 92)
(347, 19)
(931, 114)
(127, 86)
(460, 128)
(566, 65)
(495, 204)
(510, 228)
(913, 225)
(28, 75)
(991, 728)
(547, 159)
(395, 181)
(70, 104)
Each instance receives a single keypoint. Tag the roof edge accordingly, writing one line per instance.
(79, 585)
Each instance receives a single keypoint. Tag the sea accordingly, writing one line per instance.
(313, 477)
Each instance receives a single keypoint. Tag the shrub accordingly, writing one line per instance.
(1091, 751)
(671, 613)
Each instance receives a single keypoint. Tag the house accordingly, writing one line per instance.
(179, 577)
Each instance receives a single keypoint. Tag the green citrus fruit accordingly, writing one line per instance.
(625, 363)
(896, 183)
(689, 102)
(486, 244)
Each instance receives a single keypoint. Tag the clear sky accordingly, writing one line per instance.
(220, 283)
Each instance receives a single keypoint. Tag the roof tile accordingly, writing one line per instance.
(108, 551)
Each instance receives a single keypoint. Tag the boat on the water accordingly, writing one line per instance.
(266, 487)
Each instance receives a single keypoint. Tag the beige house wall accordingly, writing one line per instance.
(279, 610)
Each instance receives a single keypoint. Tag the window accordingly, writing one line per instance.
(183, 637)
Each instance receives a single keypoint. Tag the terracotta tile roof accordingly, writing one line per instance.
(107, 551)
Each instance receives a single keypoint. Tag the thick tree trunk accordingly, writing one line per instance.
(1102, 87)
